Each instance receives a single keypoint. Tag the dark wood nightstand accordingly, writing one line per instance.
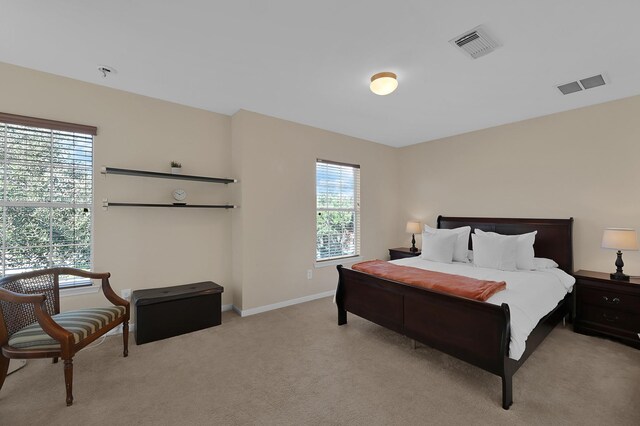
(607, 307)
(402, 252)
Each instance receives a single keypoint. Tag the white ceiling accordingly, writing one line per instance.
(310, 61)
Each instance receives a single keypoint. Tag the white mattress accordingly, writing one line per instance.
(530, 294)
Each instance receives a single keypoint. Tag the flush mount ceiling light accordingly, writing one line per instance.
(383, 83)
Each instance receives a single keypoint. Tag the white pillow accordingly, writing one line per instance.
(490, 251)
(460, 251)
(544, 263)
(438, 247)
(525, 254)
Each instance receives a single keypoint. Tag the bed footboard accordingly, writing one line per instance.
(473, 331)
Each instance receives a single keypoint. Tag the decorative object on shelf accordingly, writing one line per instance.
(413, 228)
(179, 195)
(176, 168)
(620, 239)
(383, 83)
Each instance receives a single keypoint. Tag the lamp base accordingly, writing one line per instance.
(619, 276)
(413, 247)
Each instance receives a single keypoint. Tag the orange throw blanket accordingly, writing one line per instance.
(458, 285)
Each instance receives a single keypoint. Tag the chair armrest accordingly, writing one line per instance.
(55, 330)
(84, 274)
(13, 297)
(47, 323)
(112, 296)
(106, 287)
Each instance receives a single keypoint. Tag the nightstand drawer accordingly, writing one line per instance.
(608, 299)
(611, 318)
(603, 306)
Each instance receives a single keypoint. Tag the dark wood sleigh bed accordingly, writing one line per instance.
(472, 331)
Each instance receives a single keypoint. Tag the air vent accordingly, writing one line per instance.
(591, 82)
(475, 43)
(584, 84)
(570, 88)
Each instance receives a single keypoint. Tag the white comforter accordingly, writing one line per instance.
(530, 294)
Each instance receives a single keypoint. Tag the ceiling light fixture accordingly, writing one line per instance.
(383, 83)
(106, 70)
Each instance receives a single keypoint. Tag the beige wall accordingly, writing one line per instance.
(260, 252)
(141, 247)
(581, 163)
(276, 167)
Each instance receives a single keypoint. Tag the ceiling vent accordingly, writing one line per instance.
(584, 84)
(475, 43)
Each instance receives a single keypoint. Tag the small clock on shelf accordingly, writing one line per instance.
(179, 195)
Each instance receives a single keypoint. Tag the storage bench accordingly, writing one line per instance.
(171, 311)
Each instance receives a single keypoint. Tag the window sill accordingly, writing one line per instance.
(334, 262)
(76, 291)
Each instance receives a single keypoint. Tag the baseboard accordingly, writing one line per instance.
(132, 325)
(246, 312)
(118, 329)
(260, 309)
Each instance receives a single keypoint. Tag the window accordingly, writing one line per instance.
(338, 210)
(46, 180)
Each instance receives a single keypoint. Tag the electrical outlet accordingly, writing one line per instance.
(126, 293)
(309, 274)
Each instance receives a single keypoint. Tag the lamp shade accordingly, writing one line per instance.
(413, 228)
(620, 239)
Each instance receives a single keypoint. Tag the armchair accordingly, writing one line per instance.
(31, 325)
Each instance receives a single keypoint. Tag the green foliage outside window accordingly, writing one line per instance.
(45, 198)
(338, 205)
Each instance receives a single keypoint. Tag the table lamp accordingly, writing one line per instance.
(620, 239)
(413, 228)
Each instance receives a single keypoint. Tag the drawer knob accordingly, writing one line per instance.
(609, 318)
(614, 301)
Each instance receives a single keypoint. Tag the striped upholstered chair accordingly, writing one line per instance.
(31, 325)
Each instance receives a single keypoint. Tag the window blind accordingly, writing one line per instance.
(46, 181)
(338, 210)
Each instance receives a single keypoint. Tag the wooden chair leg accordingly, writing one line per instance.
(68, 380)
(125, 338)
(4, 368)
(55, 360)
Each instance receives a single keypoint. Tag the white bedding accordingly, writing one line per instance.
(530, 294)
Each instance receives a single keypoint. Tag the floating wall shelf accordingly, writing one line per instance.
(107, 204)
(145, 173)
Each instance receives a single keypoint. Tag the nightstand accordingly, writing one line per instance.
(607, 307)
(402, 252)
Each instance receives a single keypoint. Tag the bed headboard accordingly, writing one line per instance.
(554, 239)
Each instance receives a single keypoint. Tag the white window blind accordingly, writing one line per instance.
(46, 181)
(338, 210)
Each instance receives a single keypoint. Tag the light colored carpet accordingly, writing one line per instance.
(296, 366)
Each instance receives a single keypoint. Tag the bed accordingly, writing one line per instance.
(473, 331)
